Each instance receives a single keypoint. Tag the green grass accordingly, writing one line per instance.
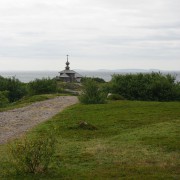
(133, 140)
(29, 100)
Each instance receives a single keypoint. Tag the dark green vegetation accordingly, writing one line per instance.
(150, 87)
(133, 140)
(146, 87)
(96, 79)
(42, 86)
(91, 93)
(12, 89)
(3, 98)
(13, 92)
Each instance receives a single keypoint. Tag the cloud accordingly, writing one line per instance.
(92, 30)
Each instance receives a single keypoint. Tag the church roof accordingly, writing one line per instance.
(64, 75)
(68, 71)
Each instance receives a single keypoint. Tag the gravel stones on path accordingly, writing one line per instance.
(17, 121)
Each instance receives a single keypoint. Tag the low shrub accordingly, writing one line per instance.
(16, 89)
(42, 86)
(91, 93)
(32, 155)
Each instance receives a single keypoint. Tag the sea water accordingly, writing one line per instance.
(27, 76)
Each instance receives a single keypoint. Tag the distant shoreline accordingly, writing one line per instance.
(27, 76)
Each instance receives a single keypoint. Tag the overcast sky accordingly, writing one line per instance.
(97, 34)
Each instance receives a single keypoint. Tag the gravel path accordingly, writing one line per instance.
(15, 122)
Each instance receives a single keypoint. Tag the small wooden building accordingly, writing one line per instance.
(68, 75)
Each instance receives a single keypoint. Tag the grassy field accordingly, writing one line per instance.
(133, 140)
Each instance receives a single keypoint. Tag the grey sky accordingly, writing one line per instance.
(97, 34)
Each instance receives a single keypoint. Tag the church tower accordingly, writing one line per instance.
(67, 63)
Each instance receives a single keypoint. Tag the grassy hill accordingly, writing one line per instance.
(131, 140)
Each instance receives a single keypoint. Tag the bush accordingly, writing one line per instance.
(91, 93)
(15, 88)
(96, 79)
(42, 86)
(3, 99)
(115, 97)
(154, 86)
(176, 92)
(32, 155)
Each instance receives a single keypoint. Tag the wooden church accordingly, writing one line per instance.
(68, 75)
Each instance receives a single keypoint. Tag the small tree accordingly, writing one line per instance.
(91, 93)
(15, 88)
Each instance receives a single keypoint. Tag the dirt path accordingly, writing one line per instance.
(15, 122)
